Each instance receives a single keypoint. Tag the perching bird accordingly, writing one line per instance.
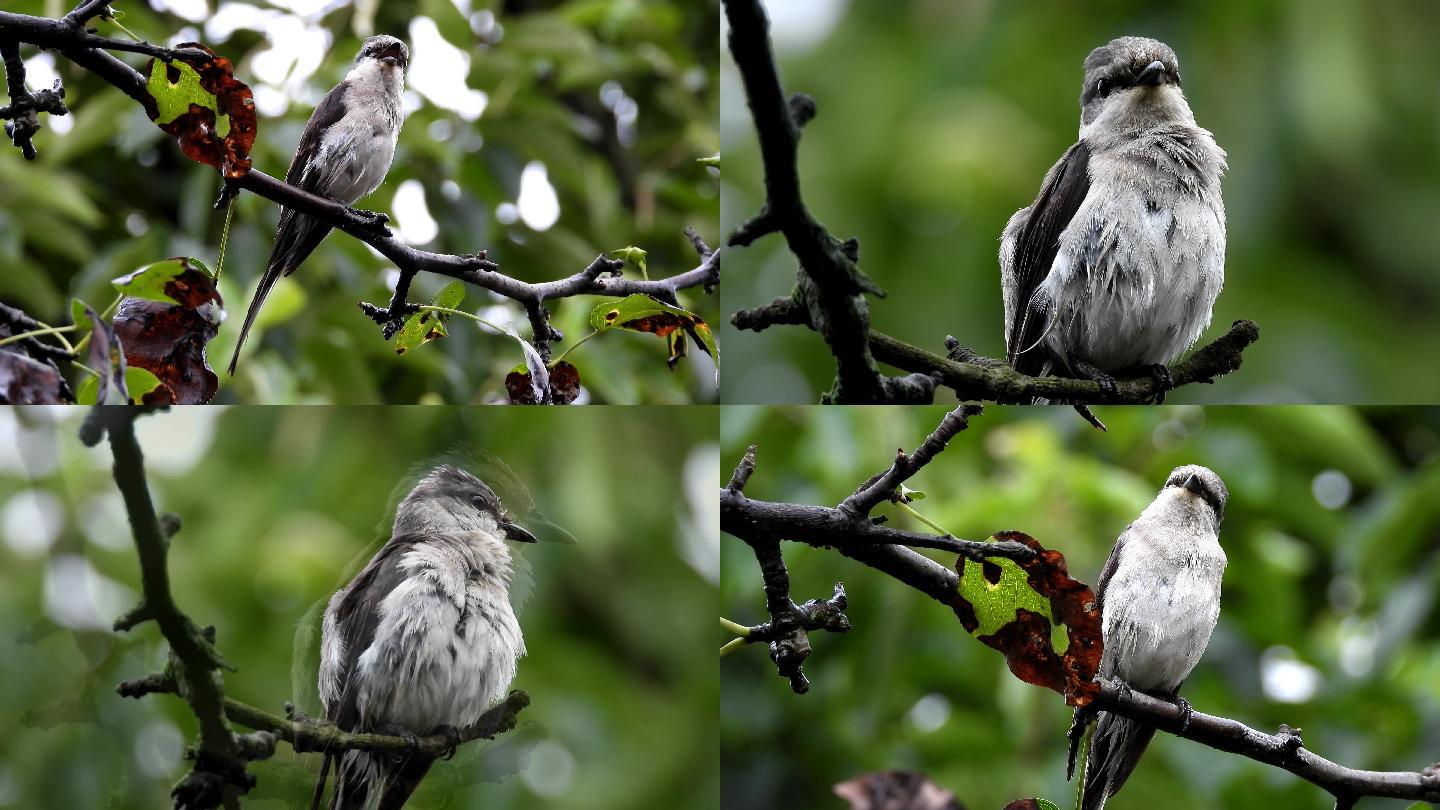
(1116, 266)
(1159, 597)
(424, 639)
(344, 154)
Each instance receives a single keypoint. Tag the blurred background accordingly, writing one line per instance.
(280, 506)
(938, 120)
(546, 131)
(1329, 620)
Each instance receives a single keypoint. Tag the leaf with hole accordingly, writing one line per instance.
(198, 101)
(1046, 623)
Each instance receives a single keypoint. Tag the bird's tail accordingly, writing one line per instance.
(267, 281)
(1115, 747)
(378, 781)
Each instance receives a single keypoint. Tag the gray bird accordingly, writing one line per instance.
(344, 154)
(1116, 266)
(424, 639)
(1159, 597)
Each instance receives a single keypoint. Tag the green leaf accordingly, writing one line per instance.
(152, 282)
(633, 256)
(996, 603)
(713, 160)
(907, 494)
(78, 316)
(138, 382)
(644, 313)
(423, 327)
(173, 100)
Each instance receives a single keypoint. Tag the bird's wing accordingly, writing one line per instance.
(327, 113)
(1036, 246)
(1111, 563)
(356, 620)
(298, 235)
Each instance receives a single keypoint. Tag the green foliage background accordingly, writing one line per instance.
(63, 218)
(938, 120)
(1349, 591)
(280, 507)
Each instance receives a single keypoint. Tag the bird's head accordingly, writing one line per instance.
(1202, 488)
(449, 499)
(1132, 82)
(386, 50)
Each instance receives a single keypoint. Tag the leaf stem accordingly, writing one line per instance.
(49, 330)
(927, 521)
(472, 316)
(731, 627)
(733, 645)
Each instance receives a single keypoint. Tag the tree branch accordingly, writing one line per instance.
(306, 734)
(1284, 749)
(829, 294)
(219, 775)
(601, 277)
(762, 524)
(829, 284)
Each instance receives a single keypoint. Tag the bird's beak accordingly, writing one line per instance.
(516, 533)
(1192, 483)
(391, 55)
(1154, 74)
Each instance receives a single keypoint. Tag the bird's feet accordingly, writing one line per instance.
(1119, 686)
(1163, 381)
(1186, 712)
(452, 740)
(373, 221)
(412, 742)
(1100, 378)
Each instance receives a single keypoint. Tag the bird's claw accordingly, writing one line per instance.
(1186, 712)
(373, 221)
(1100, 378)
(1163, 381)
(452, 740)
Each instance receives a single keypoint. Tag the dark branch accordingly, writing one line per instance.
(1283, 750)
(761, 524)
(883, 487)
(219, 774)
(306, 734)
(977, 378)
(25, 106)
(829, 285)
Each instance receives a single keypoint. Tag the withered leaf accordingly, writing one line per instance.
(896, 790)
(644, 313)
(26, 381)
(1020, 608)
(564, 385)
(199, 102)
(166, 330)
